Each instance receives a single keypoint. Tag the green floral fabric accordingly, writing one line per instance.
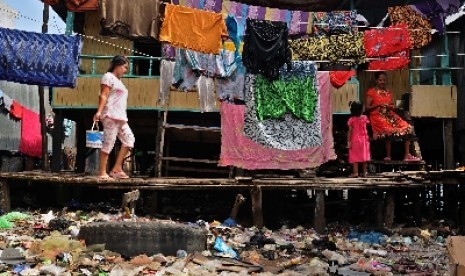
(293, 92)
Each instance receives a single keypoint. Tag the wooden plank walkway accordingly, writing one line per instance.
(383, 181)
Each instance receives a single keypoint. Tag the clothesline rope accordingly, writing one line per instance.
(18, 14)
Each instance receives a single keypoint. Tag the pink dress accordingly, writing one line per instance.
(360, 145)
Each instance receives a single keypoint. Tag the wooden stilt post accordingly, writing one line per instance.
(390, 207)
(57, 150)
(5, 203)
(257, 212)
(417, 216)
(380, 209)
(152, 202)
(43, 126)
(319, 219)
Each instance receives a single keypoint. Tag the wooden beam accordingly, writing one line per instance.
(416, 199)
(57, 151)
(449, 162)
(390, 207)
(319, 218)
(257, 211)
(5, 202)
(152, 202)
(380, 209)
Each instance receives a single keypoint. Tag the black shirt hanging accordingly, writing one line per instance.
(266, 47)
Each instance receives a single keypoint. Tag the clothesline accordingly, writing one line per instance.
(79, 34)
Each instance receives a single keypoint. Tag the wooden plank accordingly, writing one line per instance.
(390, 208)
(192, 127)
(449, 159)
(319, 218)
(5, 202)
(191, 160)
(257, 212)
(438, 101)
(380, 209)
(341, 97)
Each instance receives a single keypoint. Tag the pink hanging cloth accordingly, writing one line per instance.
(31, 138)
(239, 151)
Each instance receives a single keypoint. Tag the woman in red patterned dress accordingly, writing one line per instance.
(386, 124)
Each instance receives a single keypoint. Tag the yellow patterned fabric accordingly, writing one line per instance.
(418, 26)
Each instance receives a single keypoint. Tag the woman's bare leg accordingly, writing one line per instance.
(118, 167)
(388, 149)
(103, 164)
(354, 169)
(406, 149)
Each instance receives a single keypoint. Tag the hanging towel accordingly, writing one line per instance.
(166, 78)
(193, 29)
(239, 151)
(16, 110)
(126, 19)
(206, 88)
(39, 59)
(31, 139)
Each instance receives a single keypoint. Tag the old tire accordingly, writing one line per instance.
(135, 238)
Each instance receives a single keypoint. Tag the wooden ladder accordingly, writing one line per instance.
(163, 126)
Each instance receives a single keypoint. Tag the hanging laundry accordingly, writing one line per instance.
(288, 133)
(347, 46)
(215, 66)
(294, 92)
(418, 26)
(82, 5)
(396, 61)
(16, 110)
(339, 78)
(266, 48)
(239, 151)
(166, 79)
(184, 78)
(232, 88)
(436, 11)
(39, 59)
(193, 29)
(206, 88)
(311, 48)
(124, 18)
(207, 5)
(334, 22)
(31, 139)
(387, 41)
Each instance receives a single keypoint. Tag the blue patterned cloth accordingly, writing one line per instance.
(39, 59)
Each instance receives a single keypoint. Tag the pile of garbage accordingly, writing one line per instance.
(34, 243)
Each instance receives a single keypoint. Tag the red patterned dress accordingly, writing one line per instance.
(385, 122)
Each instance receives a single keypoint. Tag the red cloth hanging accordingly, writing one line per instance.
(16, 110)
(339, 78)
(31, 138)
(82, 5)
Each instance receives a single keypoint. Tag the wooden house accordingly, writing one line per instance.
(187, 136)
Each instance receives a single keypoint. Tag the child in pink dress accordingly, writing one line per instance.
(357, 139)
